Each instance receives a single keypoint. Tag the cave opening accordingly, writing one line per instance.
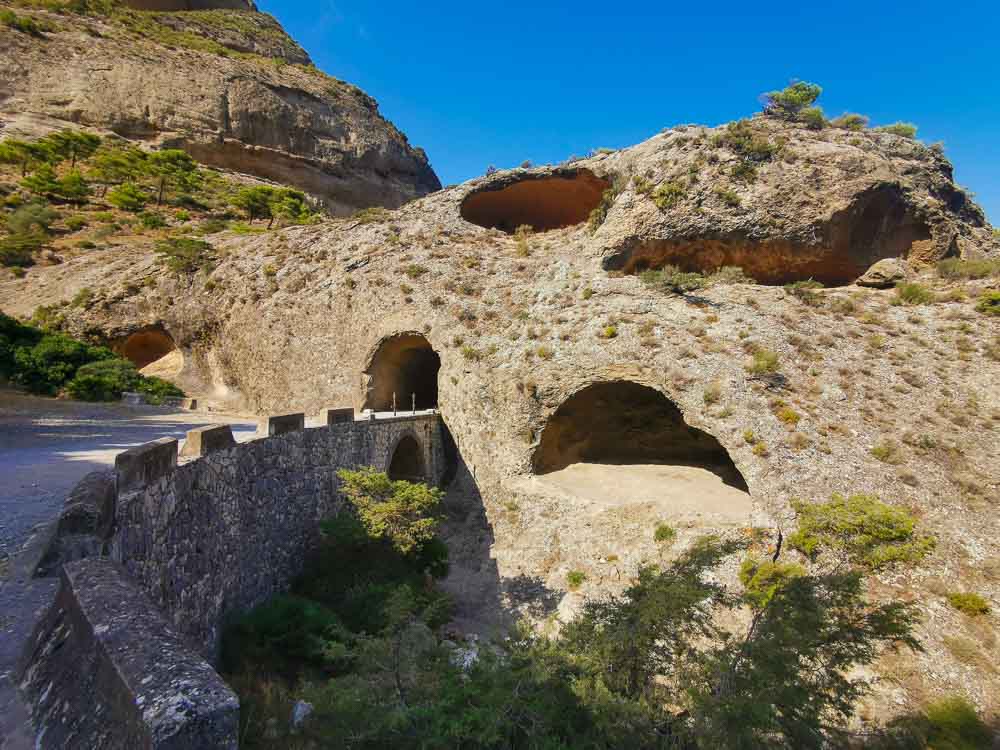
(406, 366)
(149, 346)
(542, 202)
(622, 423)
(879, 224)
(407, 461)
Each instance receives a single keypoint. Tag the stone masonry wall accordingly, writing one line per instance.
(220, 535)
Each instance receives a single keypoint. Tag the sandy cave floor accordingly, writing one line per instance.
(685, 495)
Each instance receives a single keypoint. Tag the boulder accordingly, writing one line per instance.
(884, 274)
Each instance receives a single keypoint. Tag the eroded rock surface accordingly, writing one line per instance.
(228, 86)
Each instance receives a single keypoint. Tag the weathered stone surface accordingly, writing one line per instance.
(103, 669)
(289, 123)
(85, 522)
(337, 416)
(205, 440)
(884, 274)
(280, 424)
(139, 466)
(220, 535)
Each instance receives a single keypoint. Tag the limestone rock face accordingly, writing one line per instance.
(228, 86)
(516, 324)
(884, 274)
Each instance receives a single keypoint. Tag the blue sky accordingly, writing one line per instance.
(476, 84)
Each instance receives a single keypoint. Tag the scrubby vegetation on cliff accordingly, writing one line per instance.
(48, 363)
(359, 640)
(73, 191)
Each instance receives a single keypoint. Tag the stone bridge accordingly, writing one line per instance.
(178, 545)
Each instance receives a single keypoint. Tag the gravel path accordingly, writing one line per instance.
(46, 446)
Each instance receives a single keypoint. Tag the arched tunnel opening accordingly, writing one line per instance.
(619, 444)
(153, 351)
(542, 202)
(407, 461)
(879, 224)
(405, 366)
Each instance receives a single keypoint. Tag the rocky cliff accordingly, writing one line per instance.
(228, 86)
(627, 293)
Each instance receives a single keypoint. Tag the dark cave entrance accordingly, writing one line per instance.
(407, 461)
(542, 202)
(405, 365)
(146, 346)
(621, 422)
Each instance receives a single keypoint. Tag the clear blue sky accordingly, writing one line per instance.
(480, 83)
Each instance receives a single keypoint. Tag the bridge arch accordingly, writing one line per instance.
(404, 364)
(406, 459)
(621, 422)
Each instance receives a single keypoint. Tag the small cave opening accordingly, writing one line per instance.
(151, 348)
(543, 202)
(622, 423)
(406, 366)
(407, 461)
(879, 224)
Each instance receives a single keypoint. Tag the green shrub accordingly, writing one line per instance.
(24, 24)
(765, 362)
(608, 197)
(969, 603)
(672, 279)
(745, 141)
(17, 249)
(950, 723)
(73, 187)
(813, 118)
(805, 291)
(664, 533)
(157, 389)
(791, 101)
(575, 579)
(152, 220)
(850, 121)
(904, 129)
(912, 293)
(887, 452)
(871, 533)
(128, 197)
(186, 255)
(104, 380)
(668, 194)
(53, 361)
(728, 197)
(76, 223)
(962, 268)
(42, 181)
(989, 303)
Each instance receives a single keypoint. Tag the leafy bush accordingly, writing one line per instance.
(745, 141)
(42, 181)
(128, 197)
(668, 194)
(790, 102)
(969, 603)
(850, 121)
(104, 380)
(575, 579)
(664, 533)
(48, 365)
(912, 293)
(989, 303)
(24, 24)
(186, 255)
(152, 220)
(904, 129)
(600, 213)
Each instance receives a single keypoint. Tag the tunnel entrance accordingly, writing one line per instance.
(153, 351)
(879, 224)
(543, 202)
(407, 461)
(623, 423)
(404, 365)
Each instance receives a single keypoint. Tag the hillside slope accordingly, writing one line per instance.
(228, 86)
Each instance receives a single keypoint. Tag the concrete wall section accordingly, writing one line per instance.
(104, 670)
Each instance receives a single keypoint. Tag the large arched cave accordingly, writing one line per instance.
(625, 423)
(543, 202)
(151, 346)
(405, 365)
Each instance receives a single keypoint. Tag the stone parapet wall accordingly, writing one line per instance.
(103, 669)
(220, 535)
